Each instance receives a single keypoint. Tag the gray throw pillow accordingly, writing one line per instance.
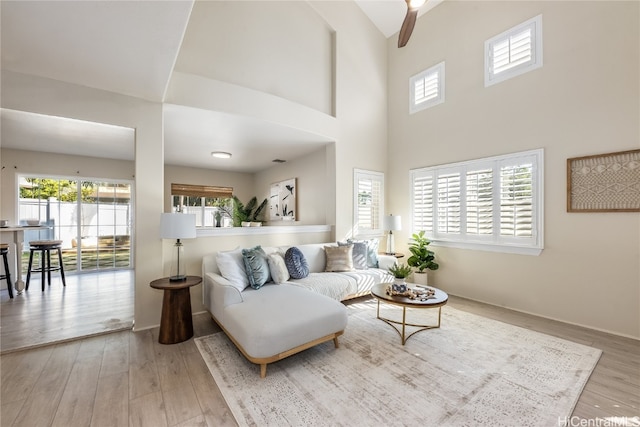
(359, 254)
(372, 251)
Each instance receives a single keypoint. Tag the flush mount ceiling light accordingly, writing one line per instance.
(221, 154)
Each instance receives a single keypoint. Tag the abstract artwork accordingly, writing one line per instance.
(604, 182)
(282, 201)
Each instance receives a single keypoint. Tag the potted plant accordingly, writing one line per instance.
(400, 272)
(246, 214)
(421, 258)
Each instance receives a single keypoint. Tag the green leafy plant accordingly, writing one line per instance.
(249, 212)
(421, 257)
(400, 271)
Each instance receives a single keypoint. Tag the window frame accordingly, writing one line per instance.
(358, 175)
(496, 241)
(432, 102)
(535, 25)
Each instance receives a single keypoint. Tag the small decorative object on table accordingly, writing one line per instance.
(400, 272)
(420, 293)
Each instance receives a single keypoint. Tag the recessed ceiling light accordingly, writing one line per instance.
(221, 154)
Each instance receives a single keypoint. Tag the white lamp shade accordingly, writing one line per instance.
(391, 222)
(177, 226)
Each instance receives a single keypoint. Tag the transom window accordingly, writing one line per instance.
(490, 204)
(426, 88)
(515, 51)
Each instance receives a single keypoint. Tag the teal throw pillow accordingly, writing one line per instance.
(256, 266)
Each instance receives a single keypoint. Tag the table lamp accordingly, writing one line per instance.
(178, 226)
(391, 223)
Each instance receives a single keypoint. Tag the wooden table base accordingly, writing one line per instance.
(176, 324)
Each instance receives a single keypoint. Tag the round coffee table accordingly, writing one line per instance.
(438, 299)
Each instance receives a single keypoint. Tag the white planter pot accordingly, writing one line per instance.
(420, 278)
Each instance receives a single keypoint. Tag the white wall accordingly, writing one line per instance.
(583, 101)
(313, 189)
(361, 105)
(280, 48)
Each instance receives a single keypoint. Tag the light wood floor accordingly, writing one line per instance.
(127, 378)
(90, 304)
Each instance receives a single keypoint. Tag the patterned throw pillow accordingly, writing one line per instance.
(296, 263)
(372, 251)
(278, 268)
(359, 254)
(339, 258)
(256, 266)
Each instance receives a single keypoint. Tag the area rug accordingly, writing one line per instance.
(472, 371)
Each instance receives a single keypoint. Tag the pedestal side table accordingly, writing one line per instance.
(176, 324)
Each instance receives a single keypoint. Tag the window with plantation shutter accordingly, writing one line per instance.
(516, 51)
(368, 202)
(426, 88)
(491, 204)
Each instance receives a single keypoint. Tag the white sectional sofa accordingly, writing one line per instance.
(276, 320)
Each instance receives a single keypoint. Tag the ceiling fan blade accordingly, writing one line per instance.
(407, 26)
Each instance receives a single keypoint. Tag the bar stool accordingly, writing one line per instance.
(4, 251)
(45, 247)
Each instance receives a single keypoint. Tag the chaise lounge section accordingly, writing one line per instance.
(281, 318)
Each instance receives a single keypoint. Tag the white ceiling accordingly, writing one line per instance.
(130, 47)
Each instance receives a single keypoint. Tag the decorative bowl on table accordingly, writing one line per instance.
(32, 222)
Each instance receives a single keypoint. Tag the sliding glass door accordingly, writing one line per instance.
(92, 218)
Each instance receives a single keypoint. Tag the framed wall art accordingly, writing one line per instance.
(282, 200)
(604, 182)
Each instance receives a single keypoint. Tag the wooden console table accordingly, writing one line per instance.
(176, 324)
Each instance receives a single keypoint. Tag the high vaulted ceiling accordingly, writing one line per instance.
(130, 48)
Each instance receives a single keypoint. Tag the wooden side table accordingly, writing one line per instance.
(176, 324)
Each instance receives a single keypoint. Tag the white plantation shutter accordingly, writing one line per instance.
(479, 197)
(449, 205)
(516, 51)
(368, 202)
(516, 201)
(422, 202)
(426, 88)
(492, 204)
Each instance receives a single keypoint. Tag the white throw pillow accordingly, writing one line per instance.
(278, 268)
(231, 265)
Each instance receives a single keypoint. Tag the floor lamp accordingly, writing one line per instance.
(178, 226)
(391, 223)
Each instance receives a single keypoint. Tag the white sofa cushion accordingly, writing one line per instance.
(333, 285)
(277, 318)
